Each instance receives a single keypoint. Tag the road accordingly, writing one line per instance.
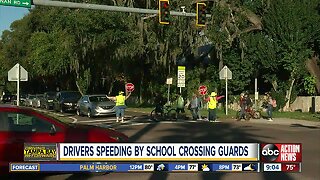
(141, 129)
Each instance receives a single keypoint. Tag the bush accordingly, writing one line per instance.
(280, 97)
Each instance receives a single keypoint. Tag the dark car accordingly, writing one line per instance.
(95, 105)
(19, 125)
(7, 98)
(47, 100)
(66, 101)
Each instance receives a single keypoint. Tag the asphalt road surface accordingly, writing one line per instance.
(140, 128)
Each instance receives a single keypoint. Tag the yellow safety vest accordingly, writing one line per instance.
(212, 104)
(120, 100)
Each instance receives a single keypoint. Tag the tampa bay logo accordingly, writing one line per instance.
(270, 152)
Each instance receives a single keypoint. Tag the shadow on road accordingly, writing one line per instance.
(304, 126)
(213, 133)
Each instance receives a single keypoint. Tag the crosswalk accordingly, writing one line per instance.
(133, 121)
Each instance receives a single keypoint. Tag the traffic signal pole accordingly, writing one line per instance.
(107, 8)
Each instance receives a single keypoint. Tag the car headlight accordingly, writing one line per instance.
(50, 100)
(68, 104)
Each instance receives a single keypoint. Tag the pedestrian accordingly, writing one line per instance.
(212, 101)
(120, 104)
(195, 106)
(242, 103)
(271, 103)
(180, 105)
(159, 102)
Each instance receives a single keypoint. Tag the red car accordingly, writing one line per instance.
(22, 125)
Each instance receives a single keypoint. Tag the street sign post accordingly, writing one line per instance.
(129, 87)
(169, 81)
(203, 90)
(181, 77)
(226, 74)
(17, 73)
(16, 3)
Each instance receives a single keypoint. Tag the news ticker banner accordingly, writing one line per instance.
(165, 152)
(145, 167)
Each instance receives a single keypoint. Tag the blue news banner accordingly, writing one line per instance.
(139, 167)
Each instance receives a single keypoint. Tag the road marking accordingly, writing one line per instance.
(98, 120)
(74, 119)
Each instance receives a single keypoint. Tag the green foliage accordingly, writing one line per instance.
(310, 85)
(280, 97)
(84, 81)
(64, 46)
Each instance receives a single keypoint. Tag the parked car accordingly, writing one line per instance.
(29, 99)
(36, 101)
(24, 125)
(47, 100)
(22, 100)
(7, 98)
(66, 101)
(95, 105)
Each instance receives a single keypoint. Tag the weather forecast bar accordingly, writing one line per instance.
(141, 167)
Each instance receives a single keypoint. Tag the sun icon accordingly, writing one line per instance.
(205, 167)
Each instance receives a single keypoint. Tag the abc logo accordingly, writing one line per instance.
(270, 152)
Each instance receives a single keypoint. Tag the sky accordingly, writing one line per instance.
(9, 14)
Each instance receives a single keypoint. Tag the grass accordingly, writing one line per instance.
(231, 114)
(297, 115)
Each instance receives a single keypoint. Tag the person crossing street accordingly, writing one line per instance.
(212, 101)
(120, 104)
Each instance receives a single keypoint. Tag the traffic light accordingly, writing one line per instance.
(201, 14)
(164, 12)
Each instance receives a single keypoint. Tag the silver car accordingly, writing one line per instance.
(36, 101)
(29, 99)
(95, 105)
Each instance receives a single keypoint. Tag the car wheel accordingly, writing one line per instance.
(78, 112)
(89, 114)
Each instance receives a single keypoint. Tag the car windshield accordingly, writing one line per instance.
(31, 97)
(71, 95)
(98, 99)
(40, 96)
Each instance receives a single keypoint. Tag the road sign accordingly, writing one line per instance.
(203, 90)
(129, 87)
(17, 73)
(13, 73)
(181, 76)
(225, 73)
(16, 3)
(169, 81)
